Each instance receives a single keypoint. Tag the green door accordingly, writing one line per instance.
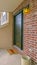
(18, 30)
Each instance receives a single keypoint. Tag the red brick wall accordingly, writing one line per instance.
(30, 33)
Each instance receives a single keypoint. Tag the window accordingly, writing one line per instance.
(4, 19)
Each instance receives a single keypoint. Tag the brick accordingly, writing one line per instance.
(30, 33)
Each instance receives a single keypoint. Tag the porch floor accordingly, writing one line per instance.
(9, 59)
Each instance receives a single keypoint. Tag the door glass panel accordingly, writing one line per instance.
(18, 30)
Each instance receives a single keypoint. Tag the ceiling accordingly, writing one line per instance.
(9, 5)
